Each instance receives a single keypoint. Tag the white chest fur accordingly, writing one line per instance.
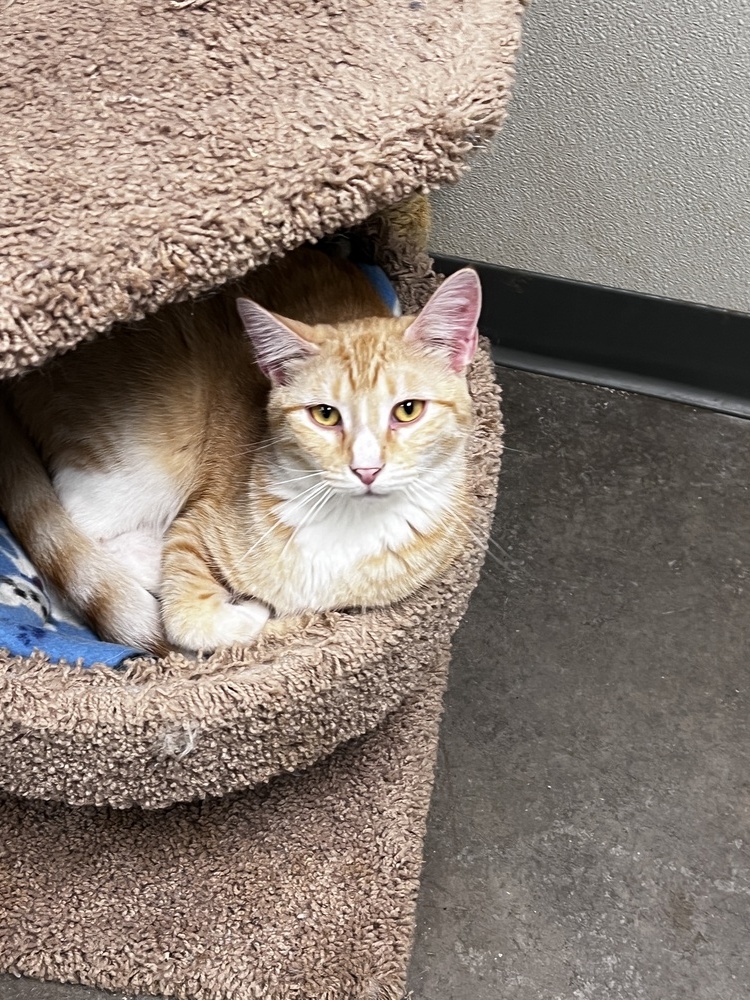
(331, 549)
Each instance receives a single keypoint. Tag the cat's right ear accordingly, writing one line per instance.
(278, 343)
(448, 323)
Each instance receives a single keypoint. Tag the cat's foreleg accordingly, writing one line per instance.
(198, 612)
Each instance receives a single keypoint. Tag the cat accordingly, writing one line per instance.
(284, 446)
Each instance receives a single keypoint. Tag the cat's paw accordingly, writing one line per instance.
(240, 622)
(222, 624)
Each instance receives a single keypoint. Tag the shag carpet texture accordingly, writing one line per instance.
(154, 149)
(303, 889)
(170, 730)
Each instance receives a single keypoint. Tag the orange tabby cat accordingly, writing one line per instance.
(231, 458)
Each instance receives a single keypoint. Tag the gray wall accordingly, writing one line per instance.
(626, 157)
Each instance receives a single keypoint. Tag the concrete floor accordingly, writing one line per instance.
(589, 837)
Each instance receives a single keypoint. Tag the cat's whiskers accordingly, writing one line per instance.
(275, 442)
(487, 544)
(320, 502)
(296, 479)
(421, 492)
(302, 500)
(254, 449)
(418, 492)
(408, 474)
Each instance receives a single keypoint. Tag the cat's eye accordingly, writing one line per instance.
(408, 410)
(326, 416)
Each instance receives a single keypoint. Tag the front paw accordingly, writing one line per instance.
(214, 624)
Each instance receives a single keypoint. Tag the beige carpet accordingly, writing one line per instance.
(153, 149)
(156, 148)
(304, 888)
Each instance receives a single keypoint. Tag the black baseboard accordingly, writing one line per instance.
(642, 343)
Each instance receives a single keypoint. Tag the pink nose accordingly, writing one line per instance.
(367, 475)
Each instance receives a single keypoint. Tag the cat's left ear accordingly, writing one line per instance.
(448, 323)
(279, 343)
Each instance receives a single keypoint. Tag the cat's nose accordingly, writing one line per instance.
(366, 475)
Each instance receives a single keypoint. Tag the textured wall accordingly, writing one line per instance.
(626, 158)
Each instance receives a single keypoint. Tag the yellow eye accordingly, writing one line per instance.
(408, 411)
(326, 416)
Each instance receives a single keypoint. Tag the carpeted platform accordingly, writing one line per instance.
(155, 150)
(303, 888)
(158, 148)
(183, 190)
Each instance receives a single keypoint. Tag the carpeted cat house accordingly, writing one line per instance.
(249, 824)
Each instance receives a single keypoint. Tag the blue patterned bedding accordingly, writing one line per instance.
(30, 618)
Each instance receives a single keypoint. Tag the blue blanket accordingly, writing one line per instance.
(30, 618)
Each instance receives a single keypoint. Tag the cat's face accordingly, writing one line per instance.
(372, 412)
(376, 406)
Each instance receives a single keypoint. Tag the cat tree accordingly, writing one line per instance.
(155, 150)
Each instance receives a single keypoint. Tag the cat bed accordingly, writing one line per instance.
(171, 730)
(154, 152)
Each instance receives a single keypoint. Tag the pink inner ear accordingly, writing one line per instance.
(448, 323)
(276, 345)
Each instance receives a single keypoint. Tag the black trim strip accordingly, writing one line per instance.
(642, 343)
